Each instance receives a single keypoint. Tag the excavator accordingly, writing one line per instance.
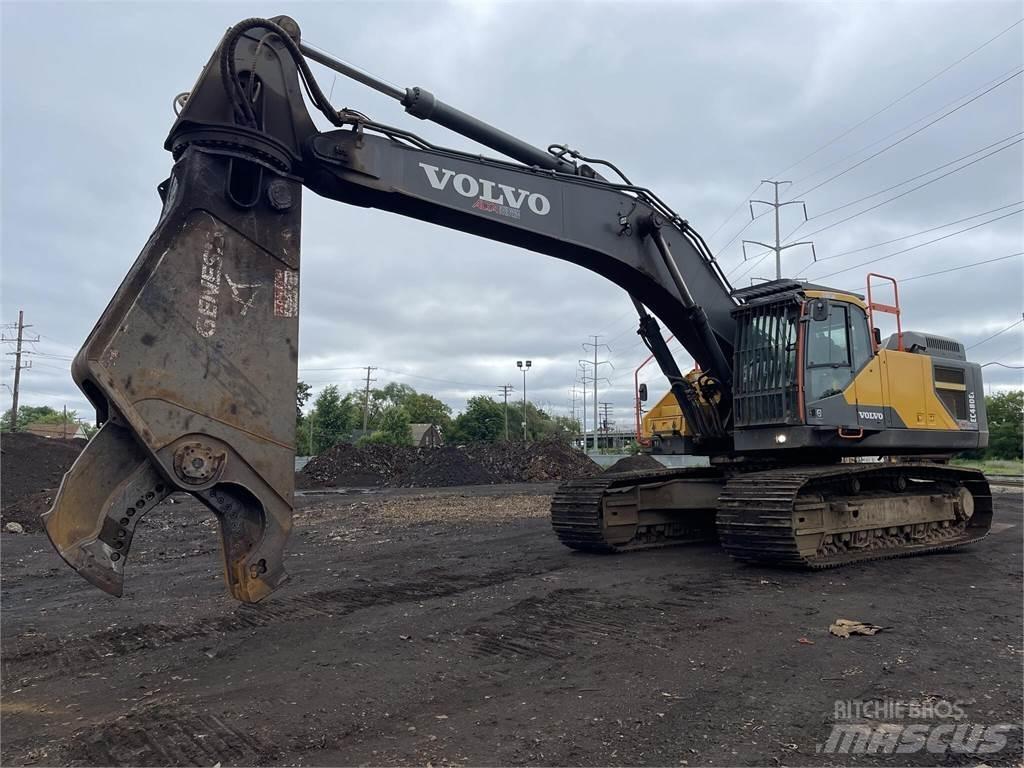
(192, 366)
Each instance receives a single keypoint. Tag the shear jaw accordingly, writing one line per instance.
(113, 483)
(101, 499)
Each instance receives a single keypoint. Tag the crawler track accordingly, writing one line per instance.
(758, 513)
(577, 513)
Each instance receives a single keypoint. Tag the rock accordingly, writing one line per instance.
(13, 527)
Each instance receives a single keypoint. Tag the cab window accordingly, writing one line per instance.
(827, 343)
(860, 338)
(828, 354)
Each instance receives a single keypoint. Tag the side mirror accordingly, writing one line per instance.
(820, 310)
(643, 393)
(878, 337)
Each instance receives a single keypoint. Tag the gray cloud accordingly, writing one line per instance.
(695, 100)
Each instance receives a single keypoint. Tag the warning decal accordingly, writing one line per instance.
(286, 293)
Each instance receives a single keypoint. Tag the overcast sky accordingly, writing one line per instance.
(697, 101)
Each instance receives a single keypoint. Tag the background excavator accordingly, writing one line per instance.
(192, 367)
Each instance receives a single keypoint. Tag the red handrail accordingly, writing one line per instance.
(636, 392)
(892, 309)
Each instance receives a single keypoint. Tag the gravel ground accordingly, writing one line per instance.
(451, 628)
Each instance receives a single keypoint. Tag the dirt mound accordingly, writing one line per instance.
(439, 467)
(31, 468)
(638, 463)
(346, 465)
(474, 464)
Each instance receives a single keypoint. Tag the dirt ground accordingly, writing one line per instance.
(31, 469)
(453, 628)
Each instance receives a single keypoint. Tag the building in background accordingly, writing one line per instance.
(70, 431)
(426, 435)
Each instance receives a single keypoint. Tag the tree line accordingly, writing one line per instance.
(390, 410)
(1005, 427)
(44, 414)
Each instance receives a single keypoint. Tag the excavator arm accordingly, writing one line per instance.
(192, 366)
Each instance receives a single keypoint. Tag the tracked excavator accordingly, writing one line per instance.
(192, 366)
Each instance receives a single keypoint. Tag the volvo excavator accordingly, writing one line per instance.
(192, 367)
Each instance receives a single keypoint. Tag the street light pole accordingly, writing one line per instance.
(524, 368)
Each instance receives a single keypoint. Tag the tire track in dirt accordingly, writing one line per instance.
(55, 656)
(165, 736)
(554, 626)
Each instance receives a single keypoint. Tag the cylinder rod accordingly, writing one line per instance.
(421, 103)
(349, 71)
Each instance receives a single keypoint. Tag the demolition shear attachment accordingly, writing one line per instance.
(192, 370)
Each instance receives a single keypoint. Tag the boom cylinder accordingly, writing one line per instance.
(421, 103)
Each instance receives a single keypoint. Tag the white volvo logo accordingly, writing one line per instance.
(872, 415)
(491, 196)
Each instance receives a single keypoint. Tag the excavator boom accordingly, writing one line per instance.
(192, 367)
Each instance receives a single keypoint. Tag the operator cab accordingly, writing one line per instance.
(811, 372)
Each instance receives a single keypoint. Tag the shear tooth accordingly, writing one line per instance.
(111, 485)
(252, 541)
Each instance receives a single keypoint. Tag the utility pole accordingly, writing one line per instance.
(17, 367)
(596, 363)
(65, 422)
(606, 423)
(583, 382)
(366, 398)
(778, 247)
(505, 389)
(525, 368)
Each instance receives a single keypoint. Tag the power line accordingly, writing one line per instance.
(997, 333)
(896, 101)
(760, 257)
(921, 245)
(911, 190)
(443, 381)
(902, 128)
(742, 230)
(1003, 365)
(969, 265)
(919, 176)
(963, 266)
(347, 368)
(910, 135)
(737, 209)
(915, 234)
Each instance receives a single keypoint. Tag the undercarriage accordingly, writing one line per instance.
(803, 516)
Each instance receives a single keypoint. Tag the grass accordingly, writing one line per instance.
(993, 466)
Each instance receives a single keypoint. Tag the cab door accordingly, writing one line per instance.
(869, 383)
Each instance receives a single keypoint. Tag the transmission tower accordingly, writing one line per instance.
(778, 247)
(596, 364)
